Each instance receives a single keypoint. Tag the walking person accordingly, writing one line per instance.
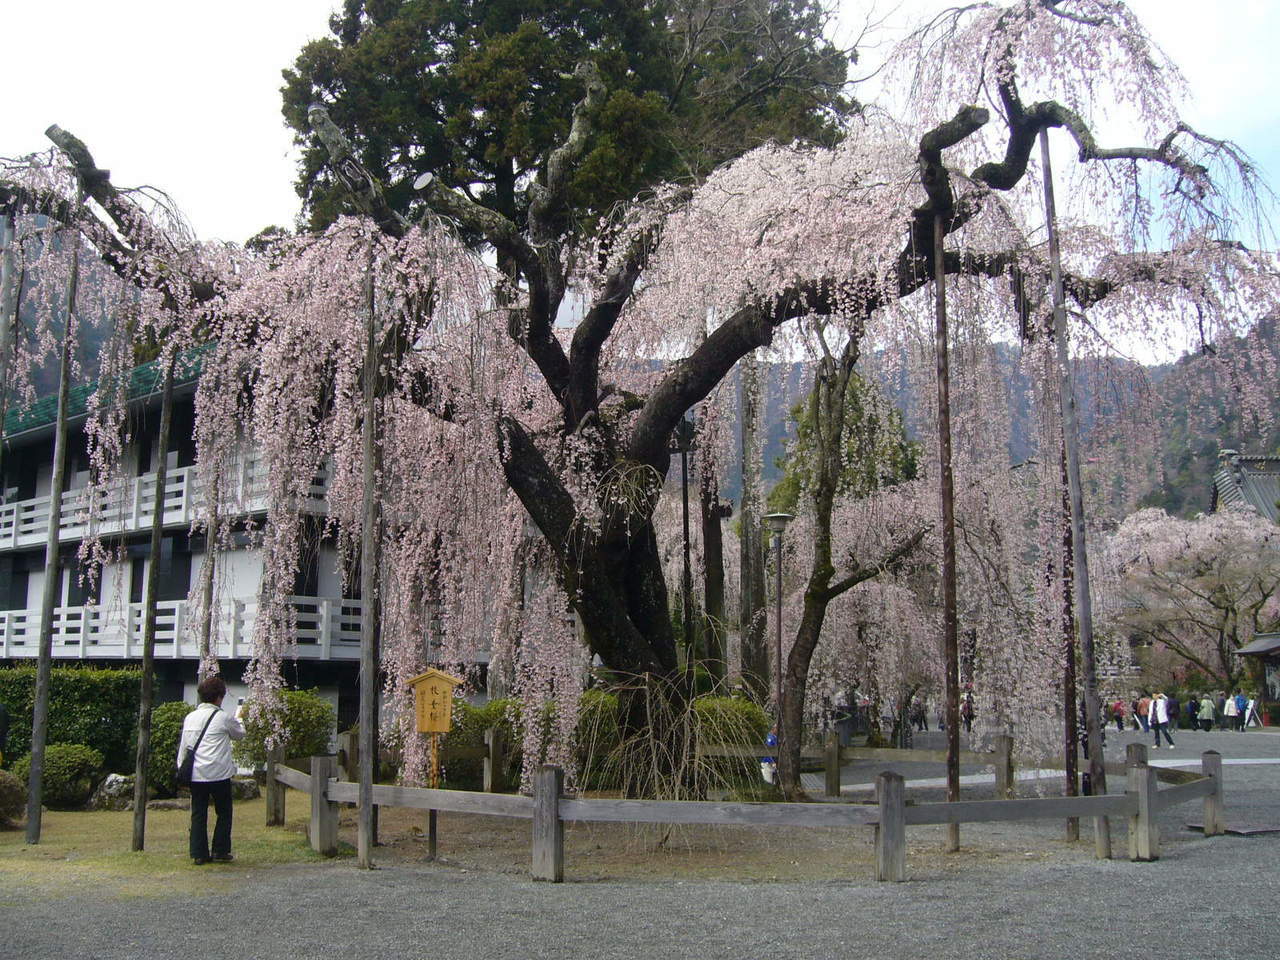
(1158, 718)
(1207, 713)
(1231, 712)
(1242, 706)
(1193, 712)
(1118, 712)
(1174, 709)
(210, 731)
(1144, 712)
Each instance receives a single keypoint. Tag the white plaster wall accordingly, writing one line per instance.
(329, 578)
(238, 572)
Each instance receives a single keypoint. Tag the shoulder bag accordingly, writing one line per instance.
(187, 769)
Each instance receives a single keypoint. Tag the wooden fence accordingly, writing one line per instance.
(549, 809)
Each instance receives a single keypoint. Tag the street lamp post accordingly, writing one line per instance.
(777, 523)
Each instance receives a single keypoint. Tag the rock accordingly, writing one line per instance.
(113, 793)
(245, 788)
(177, 803)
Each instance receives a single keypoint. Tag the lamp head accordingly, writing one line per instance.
(777, 522)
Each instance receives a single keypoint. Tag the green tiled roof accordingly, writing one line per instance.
(1252, 481)
(145, 380)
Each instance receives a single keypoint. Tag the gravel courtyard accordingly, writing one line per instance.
(1016, 891)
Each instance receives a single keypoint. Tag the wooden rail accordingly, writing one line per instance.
(548, 809)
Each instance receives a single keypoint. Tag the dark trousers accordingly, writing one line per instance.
(219, 791)
(1160, 728)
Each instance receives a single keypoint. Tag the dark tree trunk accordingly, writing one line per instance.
(713, 578)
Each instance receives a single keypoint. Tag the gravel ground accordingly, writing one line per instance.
(1207, 898)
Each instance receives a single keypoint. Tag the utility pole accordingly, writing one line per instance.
(1080, 573)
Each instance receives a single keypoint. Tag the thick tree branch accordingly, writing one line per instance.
(131, 223)
(590, 336)
(694, 377)
(362, 186)
(536, 484)
(548, 199)
(861, 573)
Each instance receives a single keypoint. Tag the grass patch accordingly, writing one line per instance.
(88, 852)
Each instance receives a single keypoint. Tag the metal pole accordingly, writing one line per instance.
(950, 638)
(1071, 441)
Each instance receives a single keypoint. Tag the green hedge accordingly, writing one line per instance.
(307, 725)
(71, 771)
(469, 725)
(95, 707)
(13, 797)
(166, 730)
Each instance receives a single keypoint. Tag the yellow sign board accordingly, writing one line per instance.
(433, 701)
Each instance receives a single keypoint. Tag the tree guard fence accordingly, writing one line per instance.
(549, 809)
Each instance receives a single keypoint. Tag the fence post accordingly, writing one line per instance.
(891, 830)
(832, 764)
(1144, 832)
(324, 813)
(493, 761)
(274, 789)
(548, 828)
(1214, 811)
(1004, 766)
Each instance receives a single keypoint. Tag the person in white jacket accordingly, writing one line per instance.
(1158, 716)
(210, 732)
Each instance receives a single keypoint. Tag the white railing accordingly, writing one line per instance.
(328, 628)
(129, 505)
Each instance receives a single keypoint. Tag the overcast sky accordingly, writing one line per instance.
(185, 96)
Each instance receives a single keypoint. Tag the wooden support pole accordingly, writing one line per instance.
(324, 813)
(950, 626)
(1144, 832)
(1214, 811)
(548, 828)
(493, 761)
(1004, 767)
(52, 567)
(146, 691)
(274, 789)
(891, 830)
(432, 833)
(832, 764)
(1079, 548)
